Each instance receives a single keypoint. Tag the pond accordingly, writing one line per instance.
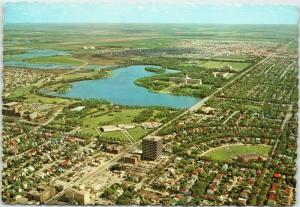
(120, 89)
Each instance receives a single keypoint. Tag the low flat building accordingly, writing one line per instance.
(78, 108)
(126, 126)
(150, 125)
(42, 194)
(132, 159)
(60, 185)
(115, 149)
(11, 105)
(81, 196)
(110, 128)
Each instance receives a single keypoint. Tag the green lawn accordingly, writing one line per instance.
(117, 135)
(218, 64)
(41, 99)
(138, 132)
(89, 131)
(19, 92)
(237, 58)
(125, 116)
(56, 59)
(230, 152)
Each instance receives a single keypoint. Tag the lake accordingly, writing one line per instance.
(120, 89)
(18, 60)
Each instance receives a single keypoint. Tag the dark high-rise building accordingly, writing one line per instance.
(152, 147)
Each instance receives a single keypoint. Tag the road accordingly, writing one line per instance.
(77, 69)
(234, 113)
(285, 121)
(287, 68)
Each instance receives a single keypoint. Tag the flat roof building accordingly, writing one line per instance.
(42, 194)
(81, 196)
(110, 128)
(152, 147)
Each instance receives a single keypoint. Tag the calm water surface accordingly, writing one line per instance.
(18, 60)
(120, 89)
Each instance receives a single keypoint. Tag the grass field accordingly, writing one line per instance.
(20, 92)
(125, 116)
(238, 58)
(55, 59)
(217, 64)
(117, 135)
(89, 132)
(32, 98)
(138, 132)
(229, 152)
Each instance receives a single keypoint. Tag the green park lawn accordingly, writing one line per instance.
(232, 151)
(218, 64)
(19, 92)
(138, 132)
(125, 116)
(89, 132)
(32, 98)
(116, 135)
(55, 59)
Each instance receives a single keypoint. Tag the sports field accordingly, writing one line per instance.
(228, 152)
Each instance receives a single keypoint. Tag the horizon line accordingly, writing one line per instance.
(181, 23)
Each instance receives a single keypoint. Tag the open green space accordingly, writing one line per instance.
(32, 98)
(19, 92)
(90, 132)
(117, 135)
(225, 153)
(138, 132)
(219, 64)
(124, 116)
(55, 59)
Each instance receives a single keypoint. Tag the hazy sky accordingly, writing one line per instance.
(147, 12)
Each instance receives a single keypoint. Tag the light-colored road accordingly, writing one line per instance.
(285, 121)
(287, 68)
(234, 113)
(127, 135)
(77, 69)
